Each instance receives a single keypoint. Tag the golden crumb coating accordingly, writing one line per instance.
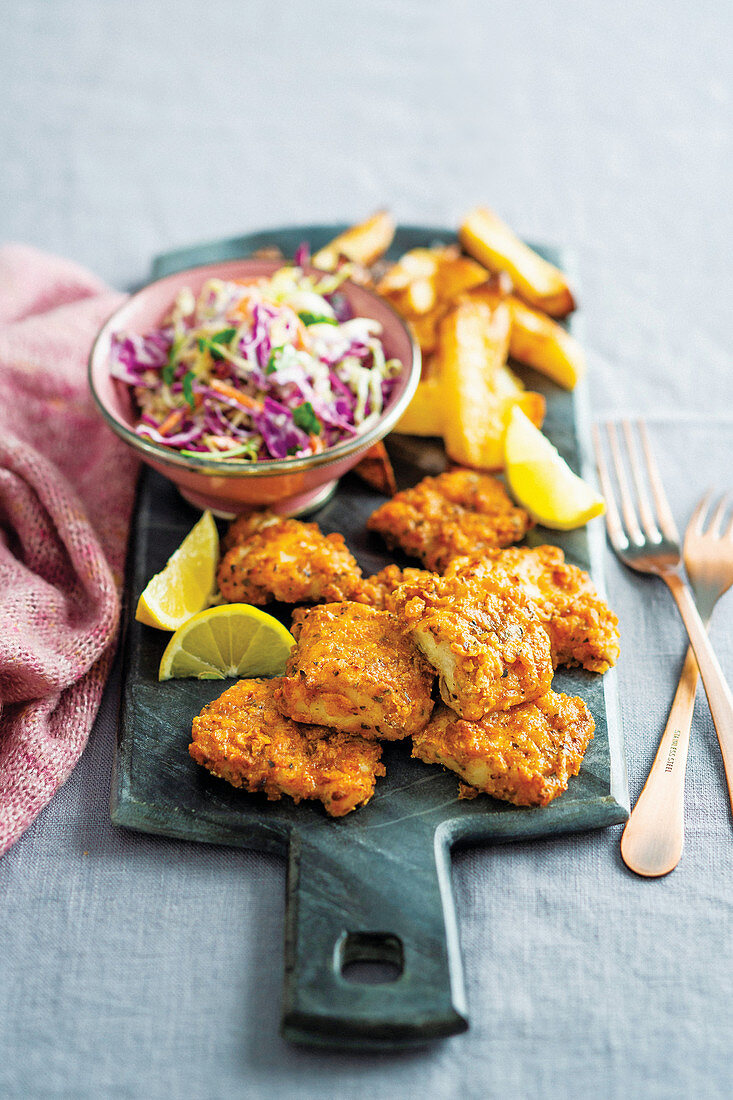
(241, 528)
(457, 513)
(377, 591)
(488, 648)
(354, 669)
(273, 558)
(243, 738)
(524, 755)
(582, 628)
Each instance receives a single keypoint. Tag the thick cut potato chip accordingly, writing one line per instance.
(537, 340)
(425, 329)
(449, 273)
(411, 284)
(424, 284)
(545, 345)
(493, 244)
(457, 274)
(363, 243)
(419, 263)
(532, 404)
(421, 296)
(479, 391)
(376, 469)
(495, 289)
(424, 415)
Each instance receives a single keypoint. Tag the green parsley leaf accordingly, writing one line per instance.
(316, 319)
(271, 362)
(305, 418)
(225, 336)
(209, 343)
(188, 388)
(169, 370)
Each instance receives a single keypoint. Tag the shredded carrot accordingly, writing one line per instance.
(171, 422)
(244, 308)
(243, 399)
(301, 335)
(317, 444)
(302, 340)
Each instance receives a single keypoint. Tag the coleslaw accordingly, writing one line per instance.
(259, 370)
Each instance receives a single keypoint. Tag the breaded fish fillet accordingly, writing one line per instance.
(582, 628)
(488, 648)
(243, 738)
(376, 591)
(524, 755)
(283, 559)
(241, 528)
(355, 669)
(457, 513)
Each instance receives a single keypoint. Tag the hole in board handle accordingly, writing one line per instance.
(370, 958)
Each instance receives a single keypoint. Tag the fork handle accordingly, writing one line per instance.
(652, 841)
(719, 694)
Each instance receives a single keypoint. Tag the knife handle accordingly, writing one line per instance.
(384, 897)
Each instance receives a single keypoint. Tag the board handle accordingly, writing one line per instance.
(375, 896)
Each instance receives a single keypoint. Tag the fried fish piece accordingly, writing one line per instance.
(486, 644)
(377, 591)
(454, 514)
(524, 755)
(273, 558)
(582, 628)
(244, 526)
(243, 738)
(354, 669)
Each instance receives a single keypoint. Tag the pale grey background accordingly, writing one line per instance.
(136, 967)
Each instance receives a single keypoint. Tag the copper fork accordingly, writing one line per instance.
(653, 839)
(655, 549)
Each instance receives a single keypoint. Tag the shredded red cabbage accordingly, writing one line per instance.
(234, 365)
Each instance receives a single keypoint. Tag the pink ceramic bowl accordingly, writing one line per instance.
(288, 485)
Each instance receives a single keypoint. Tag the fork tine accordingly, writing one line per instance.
(728, 533)
(666, 521)
(648, 521)
(627, 503)
(615, 529)
(716, 522)
(697, 519)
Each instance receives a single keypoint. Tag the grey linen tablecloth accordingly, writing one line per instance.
(137, 967)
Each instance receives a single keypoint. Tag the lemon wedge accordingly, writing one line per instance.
(232, 640)
(542, 482)
(184, 586)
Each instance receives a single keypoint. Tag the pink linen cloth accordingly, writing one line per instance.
(66, 492)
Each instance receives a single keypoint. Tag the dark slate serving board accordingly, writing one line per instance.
(374, 886)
